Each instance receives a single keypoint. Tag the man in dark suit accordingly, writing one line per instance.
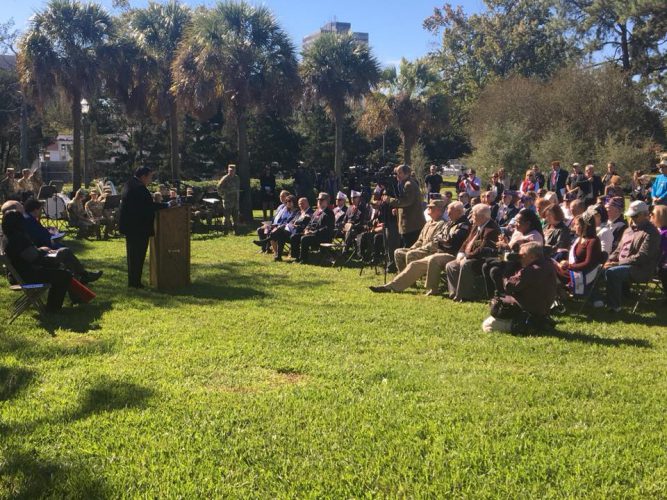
(590, 187)
(136, 216)
(557, 180)
(468, 263)
(319, 230)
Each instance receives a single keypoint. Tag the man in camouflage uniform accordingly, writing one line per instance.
(229, 189)
(8, 186)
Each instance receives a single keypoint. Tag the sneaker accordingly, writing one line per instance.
(598, 304)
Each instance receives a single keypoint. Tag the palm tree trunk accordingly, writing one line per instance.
(244, 166)
(175, 159)
(339, 117)
(76, 153)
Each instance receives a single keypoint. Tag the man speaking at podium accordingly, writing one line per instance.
(137, 214)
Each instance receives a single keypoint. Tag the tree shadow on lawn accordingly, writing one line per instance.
(587, 338)
(26, 475)
(110, 395)
(13, 380)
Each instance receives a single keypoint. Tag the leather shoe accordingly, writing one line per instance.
(380, 289)
(91, 276)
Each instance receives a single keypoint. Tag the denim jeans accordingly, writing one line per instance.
(616, 276)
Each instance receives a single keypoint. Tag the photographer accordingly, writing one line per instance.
(530, 293)
(528, 229)
(408, 203)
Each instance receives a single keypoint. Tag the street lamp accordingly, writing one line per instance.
(85, 109)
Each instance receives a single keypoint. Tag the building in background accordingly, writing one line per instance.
(335, 27)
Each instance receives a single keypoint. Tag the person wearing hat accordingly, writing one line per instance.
(444, 242)
(339, 213)
(355, 220)
(557, 181)
(425, 243)
(229, 189)
(636, 257)
(8, 186)
(615, 221)
(319, 230)
(95, 210)
(408, 203)
(659, 188)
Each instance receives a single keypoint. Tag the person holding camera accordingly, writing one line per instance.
(528, 229)
(408, 205)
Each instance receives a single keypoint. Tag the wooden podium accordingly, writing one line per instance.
(170, 249)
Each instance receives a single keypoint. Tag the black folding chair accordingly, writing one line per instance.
(30, 294)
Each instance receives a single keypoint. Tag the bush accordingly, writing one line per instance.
(506, 145)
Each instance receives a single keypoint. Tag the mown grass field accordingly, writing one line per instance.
(274, 380)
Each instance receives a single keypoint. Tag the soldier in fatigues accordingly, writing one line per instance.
(8, 186)
(229, 189)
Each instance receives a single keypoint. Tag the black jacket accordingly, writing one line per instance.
(561, 182)
(322, 224)
(137, 209)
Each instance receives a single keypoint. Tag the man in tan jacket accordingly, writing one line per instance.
(425, 244)
(409, 206)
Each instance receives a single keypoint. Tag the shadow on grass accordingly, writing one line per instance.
(109, 396)
(589, 339)
(25, 475)
(13, 380)
(79, 319)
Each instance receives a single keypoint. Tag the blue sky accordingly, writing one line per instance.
(394, 26)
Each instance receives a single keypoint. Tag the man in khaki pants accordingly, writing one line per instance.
(446, 242)
(425, 244)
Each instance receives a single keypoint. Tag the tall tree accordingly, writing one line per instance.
(337, 69)
(237, 56)
(63, 52)
(511, 37)
(410, 101)
(157, 30)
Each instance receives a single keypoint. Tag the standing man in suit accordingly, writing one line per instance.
(557, 180)
(468, 263)
(590, 187)
(136, 216)
(409, 205)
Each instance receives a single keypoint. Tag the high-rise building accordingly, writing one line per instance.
(335, 27)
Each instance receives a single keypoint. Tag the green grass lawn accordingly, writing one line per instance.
(267, 380)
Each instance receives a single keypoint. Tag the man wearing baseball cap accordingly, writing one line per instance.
(659, 188)
(635, 258)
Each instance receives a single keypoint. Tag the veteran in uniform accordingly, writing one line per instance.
(229, 189)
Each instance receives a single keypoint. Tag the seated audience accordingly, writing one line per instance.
(508, 208)
(41, 237)
(489, 198)
(34, 265)
(264, 231)
(355, 219)
(659, 218)
(339, 214)
(425, 244)
(279, 233)
(95, 210)
(461, 272)
(318, 231)
(76, 213)
(530, 291)
(448, 241)
(293, 231)
(636, 257)
(527, 229)
(581, 267)
(556, 234)
(615, 220)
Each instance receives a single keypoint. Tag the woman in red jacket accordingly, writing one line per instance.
(585, 256)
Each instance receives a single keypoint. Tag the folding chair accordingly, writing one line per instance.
(644, 289)
(591, 288)
(31, 294)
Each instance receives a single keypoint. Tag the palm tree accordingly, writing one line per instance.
(337, 69)
(62, 54)
(410, 101)
(236, 56)
(157, 30)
